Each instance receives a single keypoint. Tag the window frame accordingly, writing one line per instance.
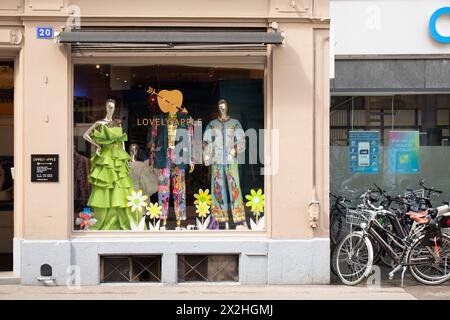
(199, 59)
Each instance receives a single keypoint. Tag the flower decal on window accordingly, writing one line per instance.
(137, 201)
(202, 204)
(202, 196)
(139, 226)
(85, 219)
(256, 201)
(154, 212)
(202, 209)
(256, 204)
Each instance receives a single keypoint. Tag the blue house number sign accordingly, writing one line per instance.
(44, 32)
(433, 21)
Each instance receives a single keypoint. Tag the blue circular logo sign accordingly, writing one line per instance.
(433, 21)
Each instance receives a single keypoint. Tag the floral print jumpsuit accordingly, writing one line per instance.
(173, 172)
(223, 141)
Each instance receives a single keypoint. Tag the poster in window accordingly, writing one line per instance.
(364, 151)
(404, 147)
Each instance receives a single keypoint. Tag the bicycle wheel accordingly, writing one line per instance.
(377, 250)
(387, 259)
(339, 228)
(354, 259)
(333, 259)
(430, 263)
(384, 257)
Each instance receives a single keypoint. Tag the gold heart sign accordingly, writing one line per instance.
(169, 100)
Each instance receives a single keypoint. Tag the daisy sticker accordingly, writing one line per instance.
(137, 201)
(203, 204)
(202, 196)
(202, 209)
(153, 212)
(256, 201)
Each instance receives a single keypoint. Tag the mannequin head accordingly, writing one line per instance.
(110, 107)
(223, 108)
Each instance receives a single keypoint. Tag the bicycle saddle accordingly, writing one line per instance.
(419, 217)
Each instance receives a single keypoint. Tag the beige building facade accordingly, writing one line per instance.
(292, 247)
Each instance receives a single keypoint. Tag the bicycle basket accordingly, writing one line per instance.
(356, 216)
(420, 193)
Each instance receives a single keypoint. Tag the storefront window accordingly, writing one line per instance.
(393, 141)
(168, 147)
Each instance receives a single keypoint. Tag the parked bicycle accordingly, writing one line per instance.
(422, 198)
(346, 220)
(338, 226)
(425, 251)
(412, 200)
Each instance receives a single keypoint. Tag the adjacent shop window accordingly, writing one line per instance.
(393, 141)
(208, 268)
(168, 147)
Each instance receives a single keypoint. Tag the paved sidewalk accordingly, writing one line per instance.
(208, 291)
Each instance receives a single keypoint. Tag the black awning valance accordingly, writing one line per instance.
(171, 37)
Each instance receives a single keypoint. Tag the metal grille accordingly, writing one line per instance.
(130, 269)
(209, 268)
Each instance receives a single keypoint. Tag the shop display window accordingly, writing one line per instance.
(168, 147)
(393, 141)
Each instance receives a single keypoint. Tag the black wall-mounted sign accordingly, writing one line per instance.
(44, 168)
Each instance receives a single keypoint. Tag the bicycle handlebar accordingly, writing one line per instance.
(340, 198)
(383, 192)
(429, 189)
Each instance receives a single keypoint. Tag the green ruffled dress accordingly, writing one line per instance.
(110, 179)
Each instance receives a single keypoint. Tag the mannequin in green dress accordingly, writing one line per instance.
(109, 176)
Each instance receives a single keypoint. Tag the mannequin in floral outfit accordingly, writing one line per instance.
(171, 154)
(223, 141)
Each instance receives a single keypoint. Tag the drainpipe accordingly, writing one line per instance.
(314, 205)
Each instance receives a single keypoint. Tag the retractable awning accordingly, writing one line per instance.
(171, 38)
